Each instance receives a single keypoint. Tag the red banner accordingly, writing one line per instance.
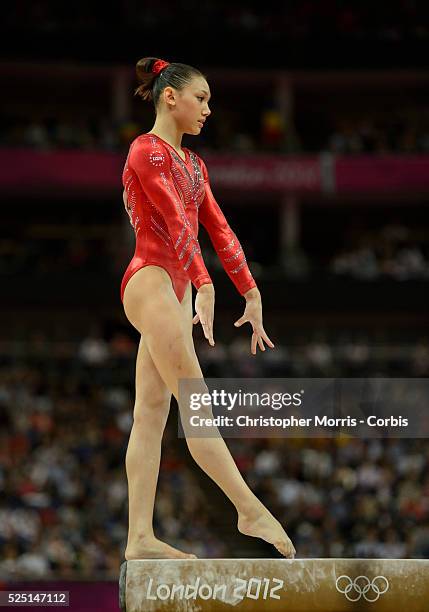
(265, 173)
(71, 171)
(61, 172)
(382, 174)
(66, 173)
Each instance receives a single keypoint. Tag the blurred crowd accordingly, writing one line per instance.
(345, 498)
(392, 251)
(264, 130)
(393, 133)
(396, 251)
(64, 428)
(295, 19)
(65, 417)
(57, 254)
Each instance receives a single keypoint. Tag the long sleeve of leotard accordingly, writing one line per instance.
(224, 240)
(152, 166)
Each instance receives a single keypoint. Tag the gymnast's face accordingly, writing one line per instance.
(191, 105)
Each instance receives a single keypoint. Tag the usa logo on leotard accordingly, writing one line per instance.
(156, 158)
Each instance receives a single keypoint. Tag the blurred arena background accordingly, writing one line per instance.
(318, 152)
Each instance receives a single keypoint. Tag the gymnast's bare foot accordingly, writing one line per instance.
(260, 523)
(152, 548)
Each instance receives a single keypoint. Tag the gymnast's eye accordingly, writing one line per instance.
(200, 97)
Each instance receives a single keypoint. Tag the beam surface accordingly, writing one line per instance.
(256, 585)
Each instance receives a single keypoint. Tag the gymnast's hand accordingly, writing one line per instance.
(204, 307)
(253, 315)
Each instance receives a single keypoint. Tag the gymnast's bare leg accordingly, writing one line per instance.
(166, 325)
(152, 405)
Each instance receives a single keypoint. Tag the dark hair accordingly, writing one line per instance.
(151, 85)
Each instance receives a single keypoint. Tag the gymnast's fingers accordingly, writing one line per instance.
(267, 340)
(208, 331)
(253, 343)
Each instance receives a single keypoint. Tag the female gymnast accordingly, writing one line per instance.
(166, 194)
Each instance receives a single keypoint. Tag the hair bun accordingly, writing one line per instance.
(174, 74)
(145, 77)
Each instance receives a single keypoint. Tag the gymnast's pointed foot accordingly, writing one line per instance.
(260, 523)
(152, 548)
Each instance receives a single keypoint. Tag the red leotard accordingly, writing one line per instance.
(165, 198)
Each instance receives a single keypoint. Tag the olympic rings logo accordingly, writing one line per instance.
(362, 586)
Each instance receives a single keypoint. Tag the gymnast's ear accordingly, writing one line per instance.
(169, 95)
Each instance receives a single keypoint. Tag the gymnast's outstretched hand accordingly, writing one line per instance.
(253, 315)
(204, 307)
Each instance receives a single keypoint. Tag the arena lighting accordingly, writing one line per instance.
(256, 585)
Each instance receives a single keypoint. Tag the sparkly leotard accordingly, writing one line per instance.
(166, 197)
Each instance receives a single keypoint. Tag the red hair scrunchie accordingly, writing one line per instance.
(159, 65)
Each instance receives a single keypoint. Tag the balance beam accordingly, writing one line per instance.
(256, 585)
